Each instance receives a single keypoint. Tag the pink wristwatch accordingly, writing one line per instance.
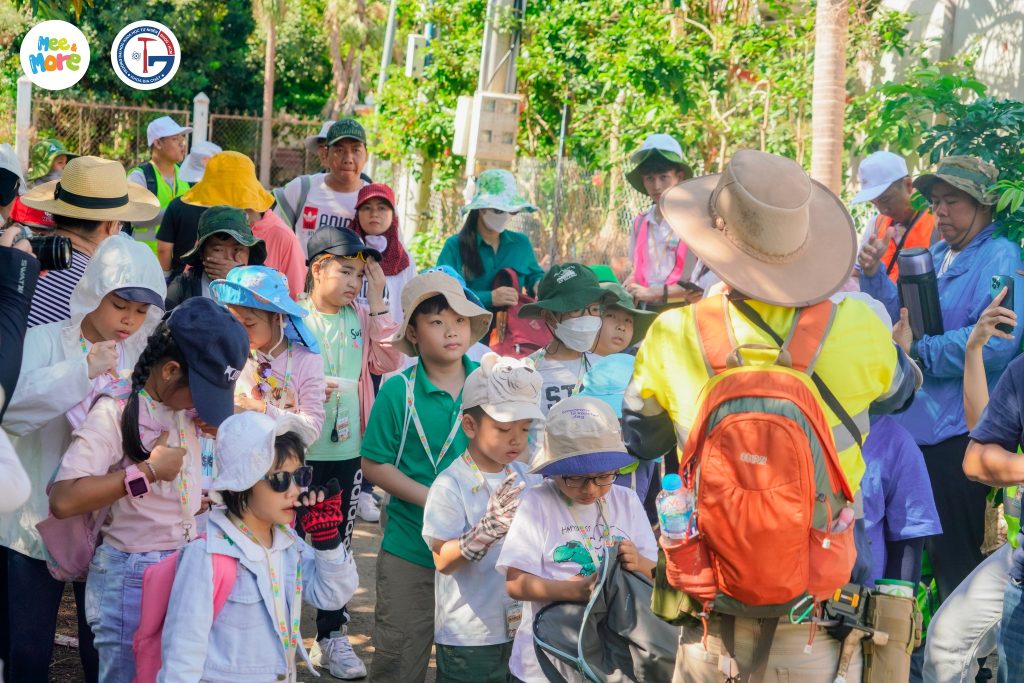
(135, 482)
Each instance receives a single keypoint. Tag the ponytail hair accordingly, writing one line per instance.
(159, 347)
(472, 265)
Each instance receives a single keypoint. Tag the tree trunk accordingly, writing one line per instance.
(828, 102)
(266, 125)
(611, 222)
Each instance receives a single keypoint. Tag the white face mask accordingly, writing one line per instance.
(579, 334)
(495, 221)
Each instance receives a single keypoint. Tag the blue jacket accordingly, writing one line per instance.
(242, 645)
(937, 412)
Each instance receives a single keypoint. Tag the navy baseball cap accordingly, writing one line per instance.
(215, 347)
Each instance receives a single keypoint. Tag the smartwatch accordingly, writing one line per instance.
(135, 482)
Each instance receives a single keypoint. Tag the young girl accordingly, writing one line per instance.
(377, 223)
(351, 337)
(285, 372)
(255, 636)
(138, 465)
(66, 366)
(558, 538)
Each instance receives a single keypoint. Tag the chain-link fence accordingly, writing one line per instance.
(119, 132)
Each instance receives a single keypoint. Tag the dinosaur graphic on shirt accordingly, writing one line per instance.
(574, 551)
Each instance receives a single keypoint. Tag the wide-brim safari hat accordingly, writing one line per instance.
(766, 229)
(230, 179)
(642, 319)
(94, 189)
(970, 174)
(427, 285)
(657, 148)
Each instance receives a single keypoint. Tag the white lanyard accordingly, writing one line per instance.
(410, 406)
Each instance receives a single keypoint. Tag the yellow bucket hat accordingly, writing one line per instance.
(230, 179)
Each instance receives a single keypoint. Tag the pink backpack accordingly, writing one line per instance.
(156, 594)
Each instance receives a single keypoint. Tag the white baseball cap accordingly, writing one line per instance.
(877, 172)
(314, 140)
(195, 163)
(163, 127)
(507, 389)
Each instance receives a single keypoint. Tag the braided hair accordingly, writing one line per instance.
(160, 348)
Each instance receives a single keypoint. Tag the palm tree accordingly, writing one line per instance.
(268, 13)
(828, 101)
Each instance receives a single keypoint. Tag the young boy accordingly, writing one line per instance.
(468, 511)
(414, 433)
(559, 536)
(623, 325)
(661, 261)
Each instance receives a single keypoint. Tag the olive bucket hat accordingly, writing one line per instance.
(227, 220)
(658, 148)
(624, 300)
(970, 174)
(567, 287)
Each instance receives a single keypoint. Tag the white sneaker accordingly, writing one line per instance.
(366, 508)
(337, 656)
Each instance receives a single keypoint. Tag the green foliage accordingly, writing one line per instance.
(425, 247)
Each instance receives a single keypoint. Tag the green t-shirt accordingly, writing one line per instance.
(341, 346)
(438, 412)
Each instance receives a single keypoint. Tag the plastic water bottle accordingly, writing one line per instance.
(675, 506)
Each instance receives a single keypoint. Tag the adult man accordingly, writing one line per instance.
(969, 254)
(180, 223)
(88, 204)
(781, 243)
(886, 183)
(310, 202)
(317, 145)
(168, 143)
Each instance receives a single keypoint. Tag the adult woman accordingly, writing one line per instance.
(484, 246)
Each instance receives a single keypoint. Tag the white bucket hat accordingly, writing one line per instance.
(245, 450)
(195, 163)
(507, 389)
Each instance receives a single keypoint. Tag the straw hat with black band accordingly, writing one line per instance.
(94, 189)
(766, 229)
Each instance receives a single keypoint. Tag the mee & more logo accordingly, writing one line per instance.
(145, 55)
(54, 55)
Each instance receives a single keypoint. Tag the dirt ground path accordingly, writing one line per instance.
(365, 545)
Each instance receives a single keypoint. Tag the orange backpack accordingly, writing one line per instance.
(762, 464)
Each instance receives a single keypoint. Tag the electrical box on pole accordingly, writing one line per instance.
(415, 55)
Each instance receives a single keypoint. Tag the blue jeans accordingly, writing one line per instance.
(1011, 635)
(113, 598)
(33, 600)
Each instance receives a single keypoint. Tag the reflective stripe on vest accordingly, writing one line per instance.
(164, 195)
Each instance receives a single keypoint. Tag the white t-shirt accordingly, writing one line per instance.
(324, 207)
(469, 605)
(393, 284)
(560, 379)
(544, 540)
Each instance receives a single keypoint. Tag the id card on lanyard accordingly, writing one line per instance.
(410, 406)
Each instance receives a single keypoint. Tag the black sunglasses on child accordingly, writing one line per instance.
(281, 481)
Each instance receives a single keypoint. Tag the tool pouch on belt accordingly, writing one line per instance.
(901, 619)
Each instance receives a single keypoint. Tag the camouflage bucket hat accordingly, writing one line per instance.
(42, 155)
(496, 189)
(970, 174)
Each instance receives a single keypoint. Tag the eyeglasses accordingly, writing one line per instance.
(592, 309)
(598, 479)
(282, 481)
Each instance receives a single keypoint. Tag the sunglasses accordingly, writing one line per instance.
(599, 480)
(282, 481)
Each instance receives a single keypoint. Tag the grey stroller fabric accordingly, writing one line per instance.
(614, 638)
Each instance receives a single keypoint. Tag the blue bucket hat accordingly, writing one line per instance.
(448, 270)
(266, 289)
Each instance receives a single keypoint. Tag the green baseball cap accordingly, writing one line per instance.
(42, 155)
(566, 287)
(346, 129)
(970, 174)
(642, 319)
(227, 220)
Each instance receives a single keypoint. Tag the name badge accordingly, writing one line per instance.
(513, 618)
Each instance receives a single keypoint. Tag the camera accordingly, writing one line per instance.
(53, 251)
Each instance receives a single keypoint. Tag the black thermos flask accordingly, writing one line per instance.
(919, 291)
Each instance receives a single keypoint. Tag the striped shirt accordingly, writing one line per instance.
(51, 302)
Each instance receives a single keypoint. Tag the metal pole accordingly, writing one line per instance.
(389, 46)
(557, 209)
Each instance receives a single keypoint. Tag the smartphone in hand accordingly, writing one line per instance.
(998, 283)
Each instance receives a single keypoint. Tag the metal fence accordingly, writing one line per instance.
(119, 132)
